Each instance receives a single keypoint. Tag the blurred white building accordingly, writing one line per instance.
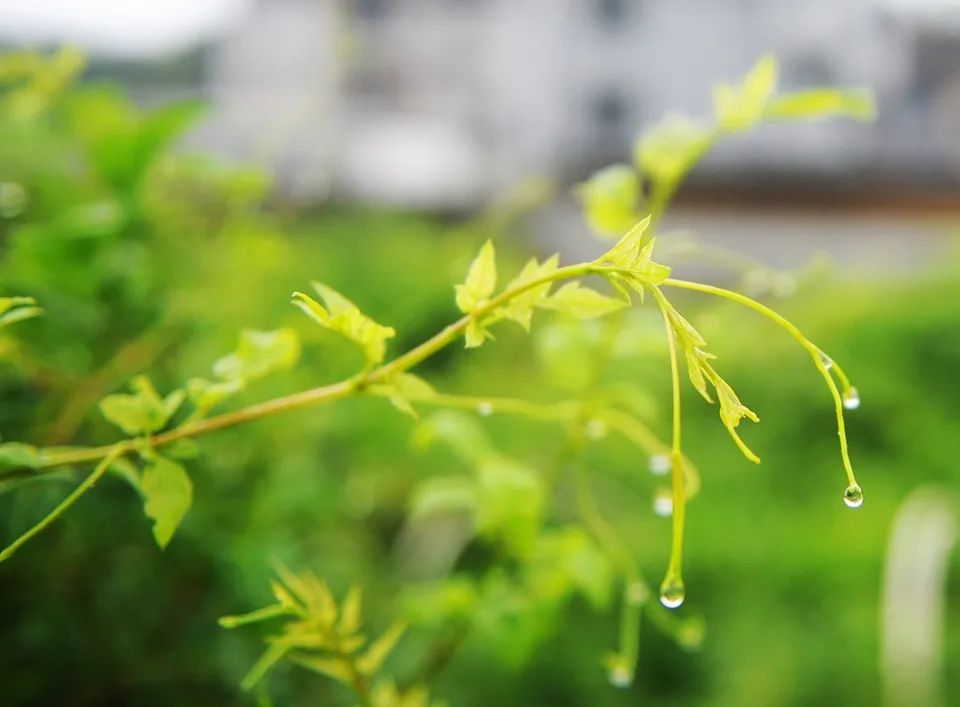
(438, 103)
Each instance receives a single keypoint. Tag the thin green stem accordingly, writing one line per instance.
(675, 567)
(815, 352)
(74, 496)
(322, 394)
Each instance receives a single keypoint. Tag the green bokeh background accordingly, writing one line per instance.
(91, 613)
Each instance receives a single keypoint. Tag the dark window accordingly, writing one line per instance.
(370, 9)
(610, 12)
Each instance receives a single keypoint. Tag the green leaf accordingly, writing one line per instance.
(351, 612)
(475, 334)
(520, 307)
(372, 659)
(459, 431)
(443, 494)
(566, 560)
(740, 107)
(258, 354)
(671, 148)
(16, 309)
(610, 198)
(627, 250)
(731, 412)
(481, 280)
(206, 395)
(342, 316)
(822, 103)
(510, 500)
(142, 412)
(582, 302)
(16, 455)
(336, 668)
(402, 390)
(167, 493)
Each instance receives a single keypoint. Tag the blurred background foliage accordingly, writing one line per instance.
(148, 259)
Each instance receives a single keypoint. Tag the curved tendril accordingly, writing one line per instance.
(671, 591)
(74, 496)
(815, 352)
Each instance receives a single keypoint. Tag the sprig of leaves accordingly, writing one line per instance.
(325, 636)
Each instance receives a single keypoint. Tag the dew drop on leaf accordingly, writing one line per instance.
(851, 398)
(672, 592)
(659, 464)
(485, 409)
(853, 496)
(663, 502)
(826, 361)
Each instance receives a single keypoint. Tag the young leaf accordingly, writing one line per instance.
(342, 316)
(671, 148)
(16, 455)
(378, 651)
(351, 612)
(258, 354)
(167, 493)
(481, 280)
(143, 411)
(336, 668)
(443, 494)
(206, 395)
(731, 412)
(16, 309)
(520, 308)
(403, 389)
(476, 334)
(581, 302)
(738, 108)
(610, 199)
(822, 103)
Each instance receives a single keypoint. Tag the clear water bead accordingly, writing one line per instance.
(659, 464)
(663, 502)
(672, 592)
(618, 672)
(485, 409)
(853, 496)
(826, 361)
(851, 398)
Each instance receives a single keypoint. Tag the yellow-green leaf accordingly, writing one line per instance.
(610, 199)
(731, 412)
(740, 107)
(481, 279)
(372, 659)
(822, 103)
(579, 301)
(342, 316)
(167, 493)
(143, 411)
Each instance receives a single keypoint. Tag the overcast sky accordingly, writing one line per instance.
(119, 27)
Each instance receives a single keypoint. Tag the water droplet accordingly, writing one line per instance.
(659, 464)
(596, 429)
(619, 672)
(851, 398)
(485, 409)
(853, 496)
(637, 593)
(663, 501)
(826, 361)
(672, 592)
